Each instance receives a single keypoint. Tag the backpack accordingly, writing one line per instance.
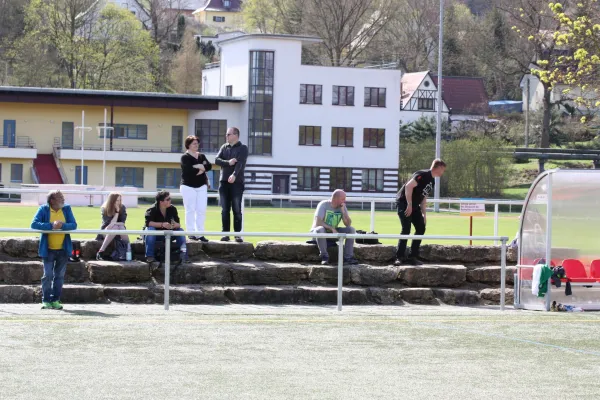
(367, 241)
(120, 251)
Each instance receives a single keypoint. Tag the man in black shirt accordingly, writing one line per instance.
(412, 208)
(162, 216)
(232, 160)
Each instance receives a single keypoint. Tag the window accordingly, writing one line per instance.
(343, 96)
(16, 173)
(311, 94)
(374, 97)
(260, 119)
(218, 19)
(374, 138)
(229, 90)
(308, 178)
(310, 135)
(342, 137)
(129, 131)
(226, 3)
(425, 104)
(340, 178)
(168, 178)
(211, 134)
(129, 177)
(372, 180)
(78, 175)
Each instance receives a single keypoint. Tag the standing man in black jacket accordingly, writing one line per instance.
(232, 160)
(412, 209)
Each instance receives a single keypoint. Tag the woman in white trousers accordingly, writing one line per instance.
(194, 187)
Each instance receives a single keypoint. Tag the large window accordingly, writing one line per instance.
(211, 134)
(78, 175)
(343, 96)
(425, 104)
(128, 131)
(374, 138)
(311, 94)
(310, 135)
(372, 180)
(168, 178)
(308, 178)
(218, 19)
(340, 178)
(16, 173)
(129, 177)
(374, 97)
(260, 124)
(342, 137)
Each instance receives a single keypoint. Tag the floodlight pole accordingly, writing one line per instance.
(438, 133)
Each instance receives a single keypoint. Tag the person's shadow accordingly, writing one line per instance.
(88, 313)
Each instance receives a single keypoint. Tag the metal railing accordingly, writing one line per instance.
(21, 142)
(137, 149)
(339, 236)
(349, 199)
(61, 171)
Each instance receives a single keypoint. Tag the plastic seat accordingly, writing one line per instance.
(595, 269)
(575, 271)
(526, 274)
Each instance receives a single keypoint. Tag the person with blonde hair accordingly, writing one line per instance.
(114, 215)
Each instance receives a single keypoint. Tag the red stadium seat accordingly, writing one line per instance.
(575, 271)
(595, 269)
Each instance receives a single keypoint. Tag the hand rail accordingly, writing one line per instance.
(339, 236)
(56, 156)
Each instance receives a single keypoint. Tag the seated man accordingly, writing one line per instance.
(328, 215)
(162, 216)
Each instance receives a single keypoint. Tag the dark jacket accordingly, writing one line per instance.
(41, 221)
(106, 219)
(238, 151)
(153, 214)
(189, 174)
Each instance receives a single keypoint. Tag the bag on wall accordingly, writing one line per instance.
(367, 241)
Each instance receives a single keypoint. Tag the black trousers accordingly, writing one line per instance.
(416, 219)
(231, 199)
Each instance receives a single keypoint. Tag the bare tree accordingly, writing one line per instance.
(187, 66)
(160, 17)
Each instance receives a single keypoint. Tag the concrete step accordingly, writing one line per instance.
(257, 294)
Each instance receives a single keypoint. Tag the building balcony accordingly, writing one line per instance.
(17, 147)
(124, 153)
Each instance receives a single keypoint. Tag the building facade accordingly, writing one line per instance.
(310, 129)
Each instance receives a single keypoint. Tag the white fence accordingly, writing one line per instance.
(339, 236)
(270, 197)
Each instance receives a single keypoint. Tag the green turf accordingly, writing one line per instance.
(287, 220)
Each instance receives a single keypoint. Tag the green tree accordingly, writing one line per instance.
(262, 16)
(187, 66)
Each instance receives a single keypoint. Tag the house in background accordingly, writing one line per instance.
(224, 15)
(466, 98)
(419, 97)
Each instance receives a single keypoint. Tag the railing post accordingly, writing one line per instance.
(340, 271)
(243, 209)
(502, 274)
(167, 267)
(373, 216)
(496, 222)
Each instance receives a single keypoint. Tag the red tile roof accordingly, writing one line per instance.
(464, 95)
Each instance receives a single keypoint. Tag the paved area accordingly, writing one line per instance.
(281, 352)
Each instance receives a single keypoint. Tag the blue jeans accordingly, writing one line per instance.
(231, 200)
(151, 241)
(55, 266)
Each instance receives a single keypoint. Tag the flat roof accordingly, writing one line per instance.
(304, 39)
(13, 94)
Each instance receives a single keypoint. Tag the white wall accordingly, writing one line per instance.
(407, 115)
(211, 82)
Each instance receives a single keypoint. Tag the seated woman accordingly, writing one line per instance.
(114, 215)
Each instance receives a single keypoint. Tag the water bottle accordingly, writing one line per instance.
(128, 254)
(183, 252)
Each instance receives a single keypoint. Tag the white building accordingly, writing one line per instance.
(309, 129)
(419, 97)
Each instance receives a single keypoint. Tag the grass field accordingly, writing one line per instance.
(285, 220)
(294, 352)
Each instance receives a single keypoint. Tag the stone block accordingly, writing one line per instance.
(328, 295)
(129, 294)
(493, 296)
(229, 250)
(418, 296)
(433, 275)
(197, 273)
(385, 296)
(261, 294)
(83, 294)
(328, 275)
(261, 273)
(375, 254)
(18, 294)
(21, 272)
(77, 272)
(512, 255)
(118, 272)
(460, 253)
(365, 275)
(191, 295)
(491, 275)
(20, 247)
(457, 297)
(89, 248)
(287, 251)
